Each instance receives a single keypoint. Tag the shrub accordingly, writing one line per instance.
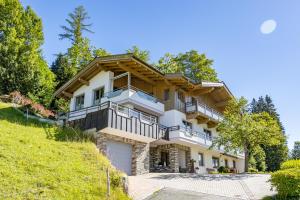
(252, 170)
(287, 182)
(290, 164)
(36, 108)
(221, 169)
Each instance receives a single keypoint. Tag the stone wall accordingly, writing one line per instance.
(173, 150)
(140, 151)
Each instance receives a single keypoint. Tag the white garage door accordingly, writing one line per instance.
(120, 155)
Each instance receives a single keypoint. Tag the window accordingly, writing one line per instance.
(187, 125)
(200, 159)
(79, 102)
(98, 94)
(166, 94)
(181, 96)
(208, 134)
(226, 163)
(215, 162)
(234, 165)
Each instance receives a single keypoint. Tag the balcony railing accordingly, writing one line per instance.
(141, 93)
(190, 132)
(109, 114)
(204, 109)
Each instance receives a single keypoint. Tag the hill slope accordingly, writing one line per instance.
(35, 165)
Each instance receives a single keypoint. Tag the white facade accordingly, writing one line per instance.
(134, 100)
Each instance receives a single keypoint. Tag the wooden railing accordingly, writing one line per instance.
(204, 109)
(112, 115)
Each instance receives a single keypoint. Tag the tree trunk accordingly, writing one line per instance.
(246, 159)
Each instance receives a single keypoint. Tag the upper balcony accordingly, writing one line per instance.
(118, 120)
(140, 99)
(203, 113)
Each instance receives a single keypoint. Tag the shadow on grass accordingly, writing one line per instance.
(68, 134)
(52, 132)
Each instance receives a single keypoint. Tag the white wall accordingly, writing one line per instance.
(208, 154)
(102, 79)
(172, 118)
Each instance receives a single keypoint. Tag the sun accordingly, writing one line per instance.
(268, 26)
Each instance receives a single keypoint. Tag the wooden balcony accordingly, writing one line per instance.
(114, 119)
(203, 113)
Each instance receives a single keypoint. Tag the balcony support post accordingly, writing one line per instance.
(129, 80)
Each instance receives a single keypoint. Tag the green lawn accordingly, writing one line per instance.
(34, 164)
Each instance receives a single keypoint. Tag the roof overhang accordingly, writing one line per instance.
(116, 63)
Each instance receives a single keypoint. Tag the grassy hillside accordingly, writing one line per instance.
(35, 163)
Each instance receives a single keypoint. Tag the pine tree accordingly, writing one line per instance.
(80, 53)
(296, 151)
(275, 154)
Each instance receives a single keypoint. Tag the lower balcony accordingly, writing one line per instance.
(186, 135)
(118, 120)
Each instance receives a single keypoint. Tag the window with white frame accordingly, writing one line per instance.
(187, 125)
(200, 159)
(208, 134)
(215, 162)
(79, 102)
(98, 94)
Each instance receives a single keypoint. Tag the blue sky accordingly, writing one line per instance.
(251, 63)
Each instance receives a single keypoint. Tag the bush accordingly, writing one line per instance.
(287, 182)
(290, 164)
(223, 169)
(252, 170)
(33, 107)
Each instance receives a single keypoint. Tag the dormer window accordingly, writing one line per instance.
(98, 94)
(79, 102)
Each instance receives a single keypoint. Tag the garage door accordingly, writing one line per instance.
(120, 155)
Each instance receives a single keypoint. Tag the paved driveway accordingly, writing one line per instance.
(240, 186)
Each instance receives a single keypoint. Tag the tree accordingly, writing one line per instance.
(296, 151)
(22, 66)
(192, 64)
(80, 53)
(241, 130)
(144, 55)
(276, 154)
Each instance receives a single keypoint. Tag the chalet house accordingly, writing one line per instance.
(146, 121)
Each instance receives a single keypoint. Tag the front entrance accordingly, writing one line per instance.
(164, 159)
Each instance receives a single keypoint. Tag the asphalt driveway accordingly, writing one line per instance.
(239, 186)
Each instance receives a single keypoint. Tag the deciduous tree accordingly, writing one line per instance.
(22, 66)
(241, 130)
(276, 154)
(192, 64)
(144, 55)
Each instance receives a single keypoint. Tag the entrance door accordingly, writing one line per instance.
(182, 160)
(120, 155)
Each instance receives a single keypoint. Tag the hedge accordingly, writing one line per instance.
(290, 164)
(287, 180)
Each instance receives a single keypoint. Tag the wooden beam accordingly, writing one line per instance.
(134, 72)
(211, 124)
(201, 92)
(202, 120)
(222, 103)
(67, 94)
(85, 82)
